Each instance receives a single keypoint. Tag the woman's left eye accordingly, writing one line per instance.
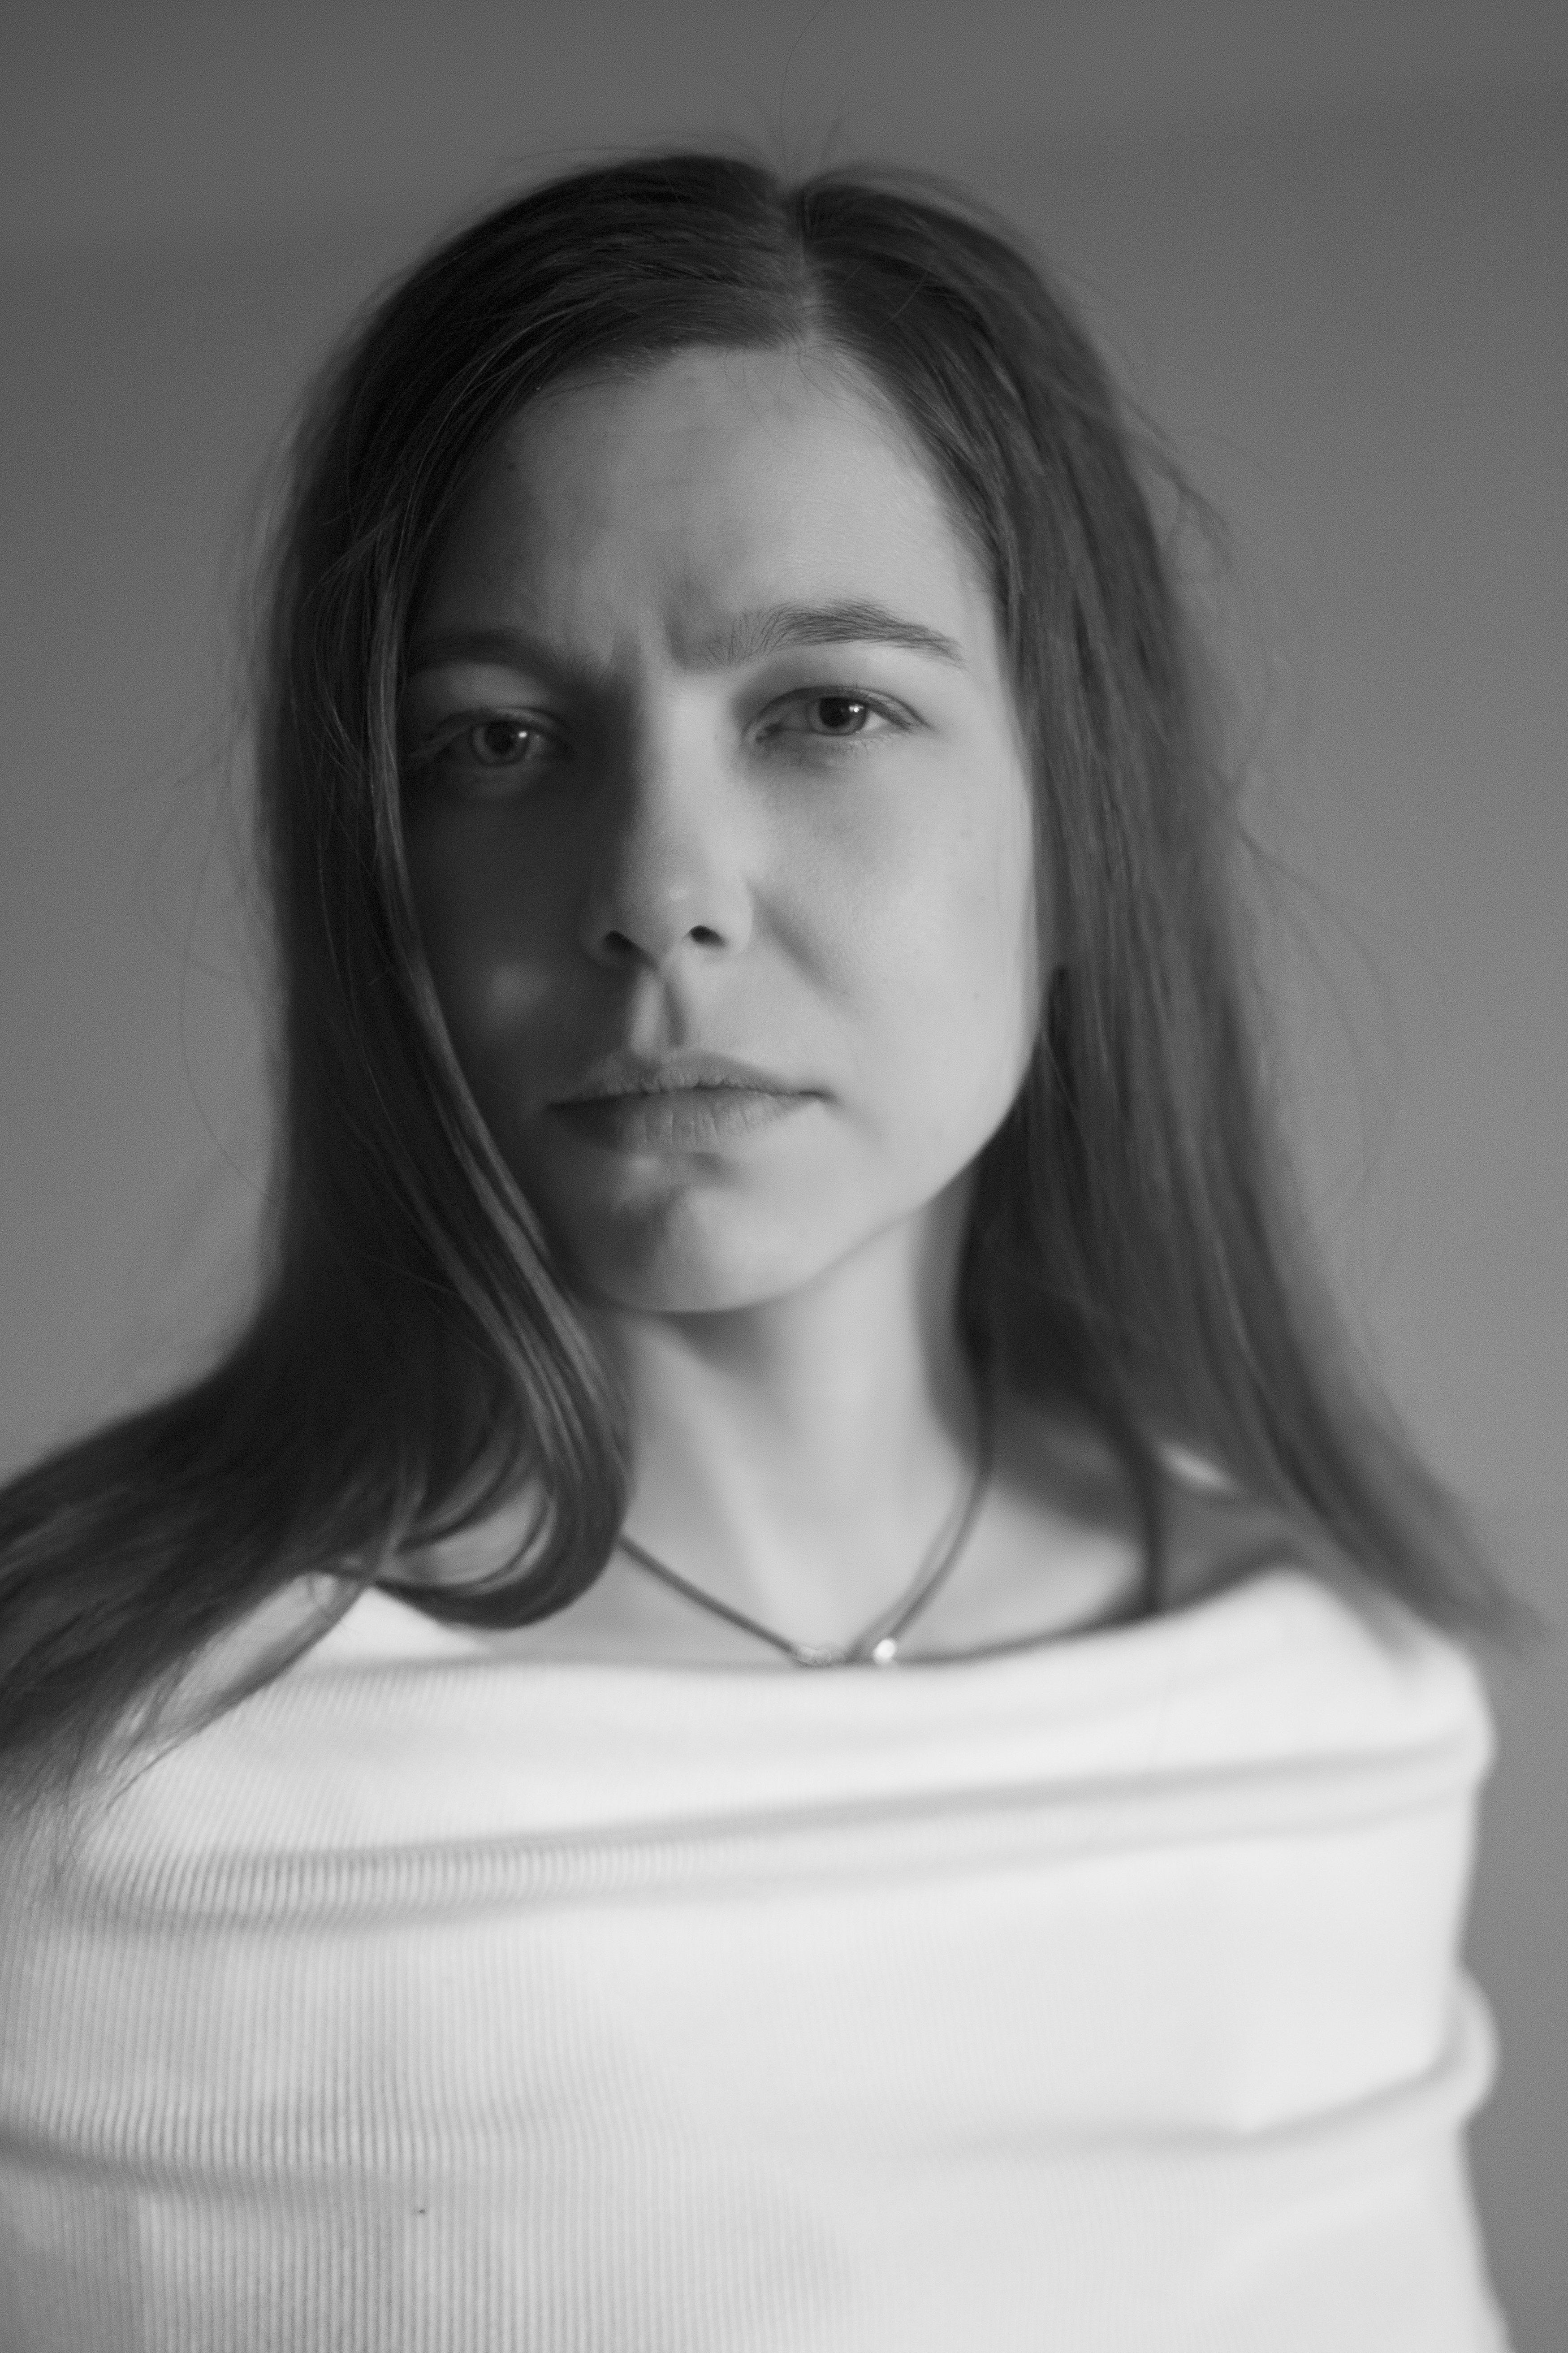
(831, 716)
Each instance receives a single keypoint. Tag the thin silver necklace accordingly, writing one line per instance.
(878, 1644)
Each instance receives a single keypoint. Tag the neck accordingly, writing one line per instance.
(797, 1458)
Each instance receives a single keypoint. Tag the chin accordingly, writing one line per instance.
(685, 1259)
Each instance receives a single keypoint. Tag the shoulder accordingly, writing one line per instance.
(1303, 1653)
(1267, 1634)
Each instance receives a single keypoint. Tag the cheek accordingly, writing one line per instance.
(486, 938)
(943, 941)
(976, 997)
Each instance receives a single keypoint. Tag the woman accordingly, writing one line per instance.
(777, 1173)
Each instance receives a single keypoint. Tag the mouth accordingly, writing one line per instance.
(677, 1119)
(626, 1072)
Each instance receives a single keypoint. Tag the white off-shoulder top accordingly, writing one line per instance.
(1101, 1996)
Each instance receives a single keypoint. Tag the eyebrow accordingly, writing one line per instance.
(774, 627)
(748, 637)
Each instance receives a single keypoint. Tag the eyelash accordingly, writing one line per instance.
(430, 756)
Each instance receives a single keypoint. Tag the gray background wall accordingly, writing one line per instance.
(1327, 248)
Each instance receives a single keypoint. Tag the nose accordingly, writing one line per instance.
(665, 870)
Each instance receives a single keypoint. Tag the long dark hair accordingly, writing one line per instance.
(1136, 1251)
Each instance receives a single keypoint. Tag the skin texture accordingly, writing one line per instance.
(631, 827)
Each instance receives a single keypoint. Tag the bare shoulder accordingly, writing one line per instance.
(1216, 1532)
(1060, 1546)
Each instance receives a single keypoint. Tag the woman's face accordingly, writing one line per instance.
(710, 747)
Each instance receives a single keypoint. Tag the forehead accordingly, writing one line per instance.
(707, 483)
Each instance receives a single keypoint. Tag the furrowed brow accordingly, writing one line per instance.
(748, 637)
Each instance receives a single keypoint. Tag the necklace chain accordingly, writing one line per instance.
(878, 1644)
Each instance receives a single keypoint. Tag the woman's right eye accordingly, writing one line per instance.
(485, 756)
(500, 743)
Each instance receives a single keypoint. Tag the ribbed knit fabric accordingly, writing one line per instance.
(1101, 1997)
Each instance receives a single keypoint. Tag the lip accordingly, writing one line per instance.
(677, 1119)
(629, 1073)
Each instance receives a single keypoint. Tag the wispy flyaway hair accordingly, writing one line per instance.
(418, 1353)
